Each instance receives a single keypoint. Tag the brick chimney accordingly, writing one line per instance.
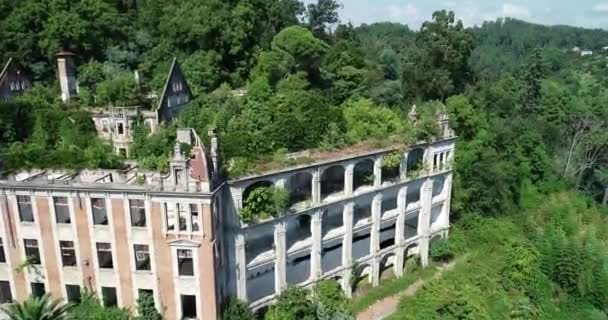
(66, 71)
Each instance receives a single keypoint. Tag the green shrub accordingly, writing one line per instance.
(441, 251)
(237, 310)
(392, 160)
(263, 203)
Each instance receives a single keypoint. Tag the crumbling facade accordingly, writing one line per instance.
(117, 233)
(349, 217)
(13, 81)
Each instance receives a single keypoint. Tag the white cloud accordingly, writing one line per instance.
(408, 11)
(515, 11)
(601, 8)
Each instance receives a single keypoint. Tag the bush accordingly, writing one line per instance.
(237, 310)
(292, 304)
(331, 303)
(263, 203)
(146, 309)
(441, 251)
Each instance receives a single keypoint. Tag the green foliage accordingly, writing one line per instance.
(364, 120)
(146, 310)
(293, 304)
(331, 303)
(153, 151)
(392, 160)
(90, 308)
(263, 203)
(441, 251)
(38, 308)
(237, 310)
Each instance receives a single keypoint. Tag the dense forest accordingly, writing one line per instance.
(529, 111)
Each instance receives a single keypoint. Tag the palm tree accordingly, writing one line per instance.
(38, 308)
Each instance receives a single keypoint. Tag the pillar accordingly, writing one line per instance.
(237, 195)
(375, 238)
(241, 267)
(377, 172)
(316, 186)
(424, 219)
(375, 274)
(348, 179)
(403, 167)
(281, 257)
(428, 159)
(399, 232)
(347, 248)
(445, 214)
(317, 245)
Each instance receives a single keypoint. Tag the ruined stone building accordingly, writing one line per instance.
(179, 235)
(13, 80)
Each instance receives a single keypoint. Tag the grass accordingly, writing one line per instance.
(388, 288)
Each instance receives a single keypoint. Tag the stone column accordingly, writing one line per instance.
(424, 219)
(375, 237)
(316, 186)
(403, 167)
(237, 196)
(317, 245)
(348, 179)
(241, 267)
(400, 231)
(378, 172)
(281, 254)
(347, 248)
(445, 214)
(428, 159)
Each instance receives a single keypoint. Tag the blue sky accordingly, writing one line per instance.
(584, 13)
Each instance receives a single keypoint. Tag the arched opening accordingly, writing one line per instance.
(361, 279)
(331, 256)
(261, 284)
(363, 174)
(332, 182)
(386, 264)
(436, 216)
(411, 259)
(250, 188)
(298, 269)
(413, 192)
(260, 242)
(300, 189)
(387, 235)
(410, 229)
(415, 162)
(361, 244)
(333, 221)
(389, 204)
(298, 231)
(438, 185)
(391, 166)
(362, 213)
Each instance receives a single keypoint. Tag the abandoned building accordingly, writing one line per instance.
(347, 211)
(118, 233)
(13, 81)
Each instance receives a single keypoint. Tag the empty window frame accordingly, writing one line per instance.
(2, 256)
(194, 216)
(32, 251)
(24, 203)
(38, 289)
(62, 210)
(142, 257)
(98, 207)
(141, 292)
(188, 307)
(109, 296)
(138, 213)
(68, 253)
(169, 217)
(73, 293)
(185, 263)
(104, 255)
(5, 292)
(121, 128)
(183, 218)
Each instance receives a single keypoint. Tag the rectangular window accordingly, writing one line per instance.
(68, 253)
(121, 128)
(2, 256)
(142, 257)
(104, 255)
(142, 292)
(138, 213)
(435, 161)
(5, 292)
(100, 216)
(31, 250)
(194, 216)
(169, 218)
(109, 296)
(24, 204)
(182, 217)
(37, 289)
(185, 263)
(188, 307)
(62, 210)
(73, 293)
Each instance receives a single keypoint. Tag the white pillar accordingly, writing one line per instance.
(400, 232)
(241, 267)
(317, 245)
(445, 214)
(348, 179)
(424, 219)
(375, 274)
(237, 196)
(403, 167)
(347, 248)
(281, 254)
(428, 159)
(378, 172)
(316, 186)
(375, 238)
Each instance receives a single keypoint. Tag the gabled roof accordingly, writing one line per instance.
(5, 70)
(174, 66)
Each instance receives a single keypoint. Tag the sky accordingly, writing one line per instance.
(583, 13)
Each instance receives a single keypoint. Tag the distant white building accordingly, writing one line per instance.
(586, 52)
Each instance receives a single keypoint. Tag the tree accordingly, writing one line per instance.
(38, 308)
(293, 304)
(146, 309)
(602, 176)
(90, 308)
(237, 310)
(322, 14)
(535, 73)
